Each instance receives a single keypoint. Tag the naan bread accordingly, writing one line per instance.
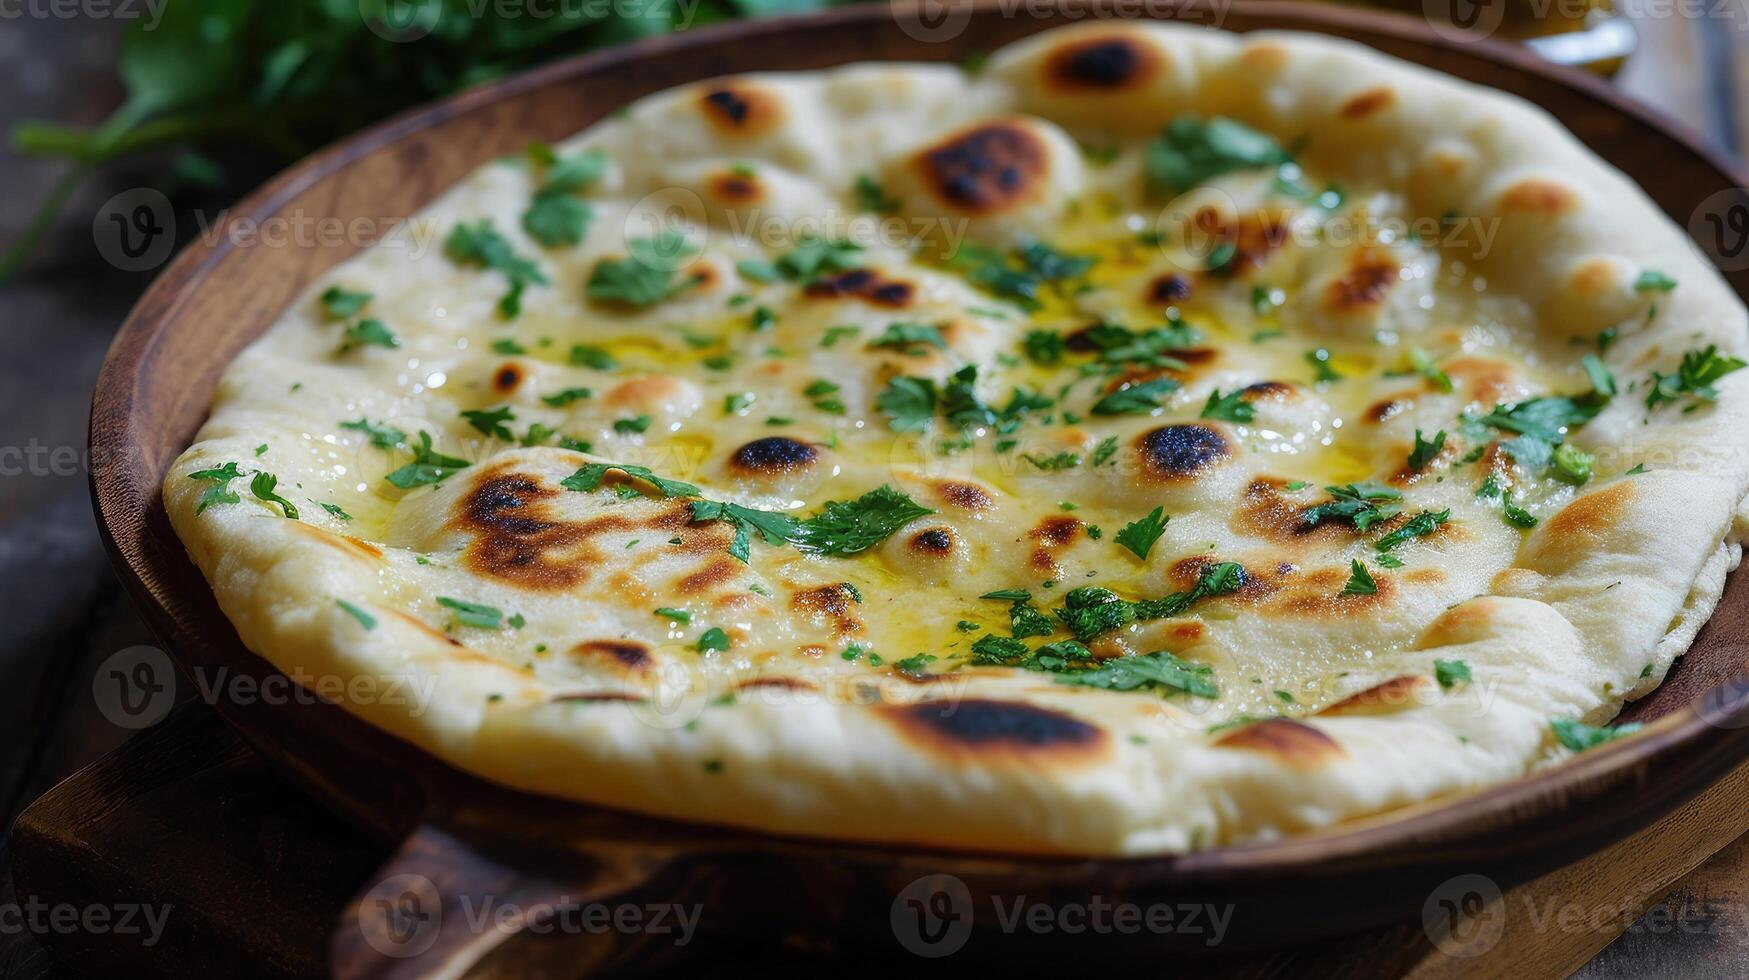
(1104, 347)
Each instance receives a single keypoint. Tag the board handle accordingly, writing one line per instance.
(441, 906)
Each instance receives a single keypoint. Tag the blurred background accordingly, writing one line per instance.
(200, 100)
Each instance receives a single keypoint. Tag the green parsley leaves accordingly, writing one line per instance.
(480, 245)
(428, 466)
(1192, 150)
(1578, 736)
(1695, 377)
(646, 276)
(1360, 504)
(1360, 581)
(1229, 408)
(1139, 536)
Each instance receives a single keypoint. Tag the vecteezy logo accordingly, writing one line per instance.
(1465, 916)
(400, 21)
(932, 916)
(135, 688)
(135, 230)
(1721, 226)
(1463, 20)
(931, 21)
(401, 916)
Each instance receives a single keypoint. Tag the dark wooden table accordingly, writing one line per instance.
(65, 615)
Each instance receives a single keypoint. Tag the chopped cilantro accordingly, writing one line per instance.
(1160, 670)
(1696, 376)
(1653, 281)
(566, 397)
(591, 356)
(365, 619)
(1425, 451)
(342, 304)
(1360, 504)
(1578, 736)
(1360, 581)
(369, 333)
(1192, 150)
(220, 492)
(713, 639)
(904, 336)
(1514, 514)
(337, 511)
(473, 614)
(491, 422)
(1321, 370)
(1420, 525)
(632, 426)
(1451, 673)
(1139, 535)
(908, 403)
(428, 466)
(680, 616)
(482, 246)
(870, 196)
(1231, 407)
(1135, 399)
(645, 276)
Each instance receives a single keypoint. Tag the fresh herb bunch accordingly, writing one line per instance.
(285, 78)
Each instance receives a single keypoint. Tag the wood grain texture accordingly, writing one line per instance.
(260, 871)
(161, 371)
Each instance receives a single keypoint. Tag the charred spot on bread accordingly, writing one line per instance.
(1179, 452)
(1102, 64)
(867, 285)
(987, 169)
(773, 455)
(980, 729)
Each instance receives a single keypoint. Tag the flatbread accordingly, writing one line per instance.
(1105, 348)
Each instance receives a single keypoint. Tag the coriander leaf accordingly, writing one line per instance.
(1321, 370)
(1515, 515)
(262, 486)
(1360, 581)
(491, 422)
(428, 466)
(1570, 464)
(632, 426)
(1578, 736)
(473, 614)
(713, 639)
(591, 356)
(870, 196)
(342, 304)
(680, 616)
(1696, 376)
(369, 333)
(1425, 452)
(908, 403)
(1451, 673)
(1044, 346)
(219, 492)
(1360, 504)
(1425, 366)
(337, 511)
(906, 335)
(576, 172)
(1064, 460)
(381, 436)
(365, 619)
(1602, 381)
(1192, 150)
(589, 476)
(1231, 407)
(848, 527)
(566, 397)
(555, 218)
(480, 245)
(1420, 525)
(1106, 449)
(1135, 399)
(813, 256)
(1653, 281)
(1159, 671)
(959, 400)
(1139, 535)
(646, 276)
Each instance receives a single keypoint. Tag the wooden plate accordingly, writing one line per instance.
(467, 838)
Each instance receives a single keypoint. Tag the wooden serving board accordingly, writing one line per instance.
(465, 837)
(254, 876)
